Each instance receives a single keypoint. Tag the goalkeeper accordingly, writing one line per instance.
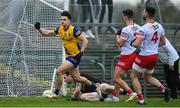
(69, 35)
(83, 92)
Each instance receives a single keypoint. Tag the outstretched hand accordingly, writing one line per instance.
(37, 25)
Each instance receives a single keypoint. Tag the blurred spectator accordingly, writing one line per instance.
(86, 15)
(170, 58)
(109, 4)
(97, 9)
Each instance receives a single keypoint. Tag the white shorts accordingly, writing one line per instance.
(142, 70)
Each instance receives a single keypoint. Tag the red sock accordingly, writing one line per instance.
(115, 93)
(129, 91)
(140, 97)
(161, 88)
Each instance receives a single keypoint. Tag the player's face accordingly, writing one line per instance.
(65, 20)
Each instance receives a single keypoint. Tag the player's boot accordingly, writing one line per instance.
(141, 103)
(52, 95)
(131, 97)
(115, 99)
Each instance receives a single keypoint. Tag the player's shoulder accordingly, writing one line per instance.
(125, 29)
(75, 28)
(147, 26)
(160, 25)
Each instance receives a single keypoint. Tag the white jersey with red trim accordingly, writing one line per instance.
(151, 32)
(128, 33)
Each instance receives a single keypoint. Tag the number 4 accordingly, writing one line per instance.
(155, 37)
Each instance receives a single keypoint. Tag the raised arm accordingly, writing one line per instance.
(44, 31)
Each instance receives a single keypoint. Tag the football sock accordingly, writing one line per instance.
(129, 91)
(140, 97)
(162, 88)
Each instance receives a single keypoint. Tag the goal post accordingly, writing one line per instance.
(27, 59)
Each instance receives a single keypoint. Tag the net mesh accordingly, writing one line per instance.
(27, 59)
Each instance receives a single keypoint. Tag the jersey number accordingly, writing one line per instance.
(155, 37)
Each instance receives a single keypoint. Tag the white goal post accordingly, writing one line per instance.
(27, 59)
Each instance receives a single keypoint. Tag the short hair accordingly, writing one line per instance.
(150, 10)
(67, 14)
(128, 13)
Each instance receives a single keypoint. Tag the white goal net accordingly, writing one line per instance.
(27, 59)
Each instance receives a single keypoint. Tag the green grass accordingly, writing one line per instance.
(62, 102)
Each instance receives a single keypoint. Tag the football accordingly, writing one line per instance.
(47, 93)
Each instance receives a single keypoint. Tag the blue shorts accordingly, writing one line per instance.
(74, 61)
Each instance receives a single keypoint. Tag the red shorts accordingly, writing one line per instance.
(125, 61)
(147, 62)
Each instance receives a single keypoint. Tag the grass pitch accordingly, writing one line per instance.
(63, 102)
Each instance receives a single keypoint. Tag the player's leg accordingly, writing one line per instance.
(150, 64)
(115, 93)
(123, 65)
(106, 88)
(64, 67)
(118, 78)
(137, 86)
(137, 72)
(111, 89)
(77, 78)
(155, 82)
(93, 96)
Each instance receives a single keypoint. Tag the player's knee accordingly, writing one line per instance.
(59, 73)
(146, 78)
(132, 76)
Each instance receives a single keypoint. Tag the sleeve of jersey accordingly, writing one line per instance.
(124, 34)
(76, 32)
(56, 30)
(141, 32)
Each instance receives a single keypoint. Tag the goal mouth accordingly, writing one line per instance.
(27, 59)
